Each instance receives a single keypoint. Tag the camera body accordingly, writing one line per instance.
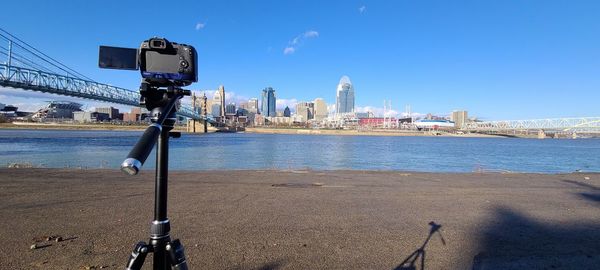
(161, 62)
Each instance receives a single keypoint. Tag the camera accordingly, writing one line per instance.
(161, 62)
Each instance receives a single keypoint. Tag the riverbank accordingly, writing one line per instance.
(354, 132)
(304, 219)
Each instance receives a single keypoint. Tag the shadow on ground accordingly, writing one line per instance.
(418, 256)
(515, 241)
(593, 193)
(268, 266)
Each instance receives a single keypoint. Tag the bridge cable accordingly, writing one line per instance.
(81, 76)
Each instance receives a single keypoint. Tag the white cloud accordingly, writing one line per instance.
(299, 40)
(200, 26)
(230, 97)
(289, 50)
(378, 112)
(311, 34)
(281, 103)
(362, 9)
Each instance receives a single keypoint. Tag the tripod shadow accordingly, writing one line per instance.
(410, 263)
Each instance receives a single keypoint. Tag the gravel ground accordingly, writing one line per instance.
(304, 219)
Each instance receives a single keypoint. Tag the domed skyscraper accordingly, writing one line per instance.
(345, 96)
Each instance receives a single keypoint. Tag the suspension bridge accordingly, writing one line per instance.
(25, 67)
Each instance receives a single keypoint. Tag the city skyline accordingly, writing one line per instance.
(437, 57)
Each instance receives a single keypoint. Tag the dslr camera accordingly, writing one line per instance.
(161, 62)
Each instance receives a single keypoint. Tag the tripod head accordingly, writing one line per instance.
(162, 102)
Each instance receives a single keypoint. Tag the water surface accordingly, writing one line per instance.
(107, 149)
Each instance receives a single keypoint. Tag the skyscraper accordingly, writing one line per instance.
(345, 96)
(267, 106)
(320, 109)
(218, 99)
(253, 105)
(222, 94)
(306, 110)
(230, 109)
(286, 112)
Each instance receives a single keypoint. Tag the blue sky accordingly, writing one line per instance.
(496, 59)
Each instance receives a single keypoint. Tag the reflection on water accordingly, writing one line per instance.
(96, 149)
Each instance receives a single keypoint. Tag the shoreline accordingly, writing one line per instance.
(272, 219)
(352, 132)
(282, 131)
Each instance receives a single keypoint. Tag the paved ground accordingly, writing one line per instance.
(305, 220)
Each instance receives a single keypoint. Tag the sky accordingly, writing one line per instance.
(498, 59)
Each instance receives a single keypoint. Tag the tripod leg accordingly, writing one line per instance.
(177, 256)
(137, 257)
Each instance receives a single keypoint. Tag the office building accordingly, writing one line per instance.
(86, 117)
(113, 113)
(306, 110)
(219, 99)
(216, 109)
(459, 118)
(320, 109)
(287, 112)
(344, 96)
(267, 106)
(230, 109)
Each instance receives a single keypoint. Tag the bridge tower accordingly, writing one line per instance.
(204, 112)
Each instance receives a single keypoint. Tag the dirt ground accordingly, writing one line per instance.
(304, 219)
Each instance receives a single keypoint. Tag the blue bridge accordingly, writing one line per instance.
(30, 69)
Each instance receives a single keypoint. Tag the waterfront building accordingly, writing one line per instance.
(320, 109)
(87, 117)
(459, 118)
(287, 112)
(344, 96)
(306, 110)
(58, 109)
(113, 113)
(267, 107)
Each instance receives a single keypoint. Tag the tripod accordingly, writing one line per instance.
(168, 254)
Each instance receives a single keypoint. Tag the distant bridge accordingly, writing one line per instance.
(29, 69)
(582, 124)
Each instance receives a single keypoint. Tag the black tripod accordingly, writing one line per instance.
(162, 103)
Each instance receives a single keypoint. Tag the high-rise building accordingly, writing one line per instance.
(459, 118)
(216, 109)
(230, 109)
(344, 96)
(251, 105)
(320, 109)
(222, 99)
(267, 106)
(306, 110)
(286, 112)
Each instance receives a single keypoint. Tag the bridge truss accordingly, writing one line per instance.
(582, 124)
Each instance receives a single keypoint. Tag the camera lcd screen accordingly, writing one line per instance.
(161, 63)
(118, 58)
